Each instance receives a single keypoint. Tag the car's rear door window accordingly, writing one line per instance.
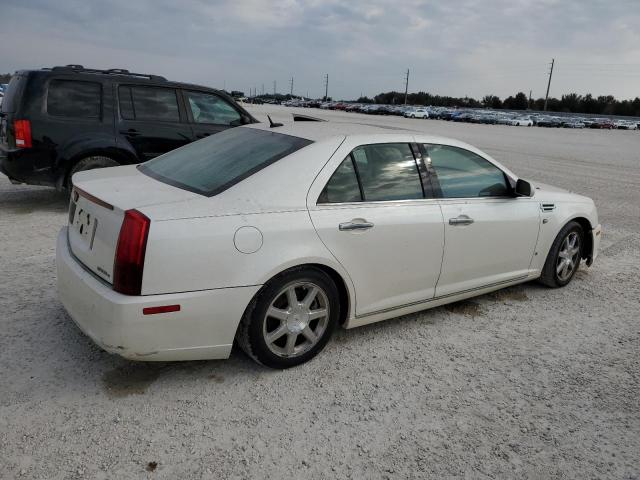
(387, 171)
(343, 186)
(211, 109)
(218, 162)
(375, 173)
(463, 174)
(73, 98)
(148, 103)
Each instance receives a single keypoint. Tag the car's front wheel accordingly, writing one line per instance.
(291, 319)
(564, 256)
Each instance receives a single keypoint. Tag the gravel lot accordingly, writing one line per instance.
(527, 382)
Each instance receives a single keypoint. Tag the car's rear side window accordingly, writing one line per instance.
(148, 103)
(375, 173)
(73, 98)
(212, 165)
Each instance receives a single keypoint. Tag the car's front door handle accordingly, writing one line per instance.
(355, 225)
(461, 220)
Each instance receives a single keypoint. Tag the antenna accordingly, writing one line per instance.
(273, 124)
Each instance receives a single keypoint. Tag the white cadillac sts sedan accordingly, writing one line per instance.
(277, 236)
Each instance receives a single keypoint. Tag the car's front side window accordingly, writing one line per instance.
(209, 108)
(463, 174)
(375, 173)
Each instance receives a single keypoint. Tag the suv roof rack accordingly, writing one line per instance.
(112, 71)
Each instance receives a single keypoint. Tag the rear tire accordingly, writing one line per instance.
(90, 163)
(564, 256)
(291, 319)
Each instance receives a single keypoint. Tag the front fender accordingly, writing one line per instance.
(553, 221)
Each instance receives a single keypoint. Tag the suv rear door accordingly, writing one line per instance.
(151, 119)
(210, 113)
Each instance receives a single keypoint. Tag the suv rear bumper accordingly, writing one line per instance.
(204, 328)
(20, 166)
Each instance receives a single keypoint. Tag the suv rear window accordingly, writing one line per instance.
(148, 103)
(218, 162)
(72, 98)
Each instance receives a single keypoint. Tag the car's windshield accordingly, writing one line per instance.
(216, 163)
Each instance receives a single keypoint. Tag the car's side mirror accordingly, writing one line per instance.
(523, 188)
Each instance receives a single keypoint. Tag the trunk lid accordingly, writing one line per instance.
(96, 211)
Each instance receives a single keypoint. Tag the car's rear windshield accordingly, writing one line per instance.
(218, 162)
(12, 94)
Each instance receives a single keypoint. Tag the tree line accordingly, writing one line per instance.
(570, 103)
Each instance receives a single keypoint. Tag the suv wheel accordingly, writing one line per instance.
(90, 163)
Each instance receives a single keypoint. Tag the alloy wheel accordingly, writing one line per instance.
(296, 319)
(568, 256)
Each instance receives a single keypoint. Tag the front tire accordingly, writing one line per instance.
(564, 256)
(291, 319)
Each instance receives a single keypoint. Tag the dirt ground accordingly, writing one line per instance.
(527, 382)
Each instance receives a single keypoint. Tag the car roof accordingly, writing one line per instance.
(318, 131)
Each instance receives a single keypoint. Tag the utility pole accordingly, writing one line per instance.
(546, 98)
(291, 92)
(406, 87)
(326, 87)
(263, 89)
(274, 88)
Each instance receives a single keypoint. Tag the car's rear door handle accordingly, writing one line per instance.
(461, 220)
(355, 225)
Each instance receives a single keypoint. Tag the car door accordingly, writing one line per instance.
(210, 113)
(490, 235)
(373, 216)
(151, 120)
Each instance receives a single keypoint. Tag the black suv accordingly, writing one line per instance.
(58, 121)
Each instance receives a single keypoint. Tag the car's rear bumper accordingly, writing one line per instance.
(204, 328)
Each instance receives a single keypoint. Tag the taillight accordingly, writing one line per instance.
(22, 130)
(129, 262)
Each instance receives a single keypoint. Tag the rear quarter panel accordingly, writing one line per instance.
(200, 253)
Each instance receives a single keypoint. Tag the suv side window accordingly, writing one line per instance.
(463, 174)
(379, 172)
(148, 103)
(210, 108)
(73, 98)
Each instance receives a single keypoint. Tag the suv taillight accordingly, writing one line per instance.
(129, 262)
(22, 130)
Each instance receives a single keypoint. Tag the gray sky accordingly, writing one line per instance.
(454, 47)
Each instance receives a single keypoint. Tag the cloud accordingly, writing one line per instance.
(452, 48)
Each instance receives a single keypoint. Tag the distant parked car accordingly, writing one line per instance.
(62, 120)
(417, 113)
(573, 123)
(521, 122)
